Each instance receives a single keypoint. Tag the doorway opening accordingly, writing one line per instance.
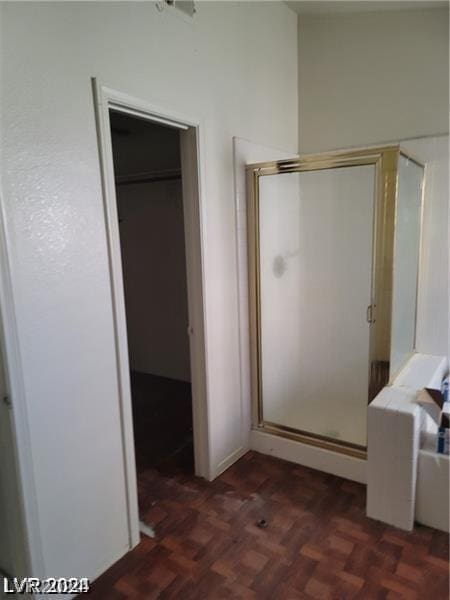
(165, 148)
(149, 196)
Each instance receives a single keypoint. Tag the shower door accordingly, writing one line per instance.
(320, 244)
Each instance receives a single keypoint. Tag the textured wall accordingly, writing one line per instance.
(235, 68)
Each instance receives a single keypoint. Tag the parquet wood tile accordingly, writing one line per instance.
(318, 543)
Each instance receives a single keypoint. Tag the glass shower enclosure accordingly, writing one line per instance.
(334, 245)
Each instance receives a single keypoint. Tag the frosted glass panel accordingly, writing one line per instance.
(406, 260)
(315, 287)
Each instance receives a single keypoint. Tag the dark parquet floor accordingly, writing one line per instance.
(318, 543)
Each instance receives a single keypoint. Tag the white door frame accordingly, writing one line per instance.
(106, 99)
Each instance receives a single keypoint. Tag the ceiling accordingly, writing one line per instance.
(322, 7)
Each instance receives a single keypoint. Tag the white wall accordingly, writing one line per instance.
(372, 77)
(154, 273)
(235, 68)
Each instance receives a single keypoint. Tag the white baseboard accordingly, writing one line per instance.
(342, 465)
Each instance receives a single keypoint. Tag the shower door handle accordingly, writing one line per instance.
(369, 313)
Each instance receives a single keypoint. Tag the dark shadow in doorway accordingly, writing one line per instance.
(162, 417)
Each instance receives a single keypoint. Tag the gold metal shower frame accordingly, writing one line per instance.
(385, 159)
